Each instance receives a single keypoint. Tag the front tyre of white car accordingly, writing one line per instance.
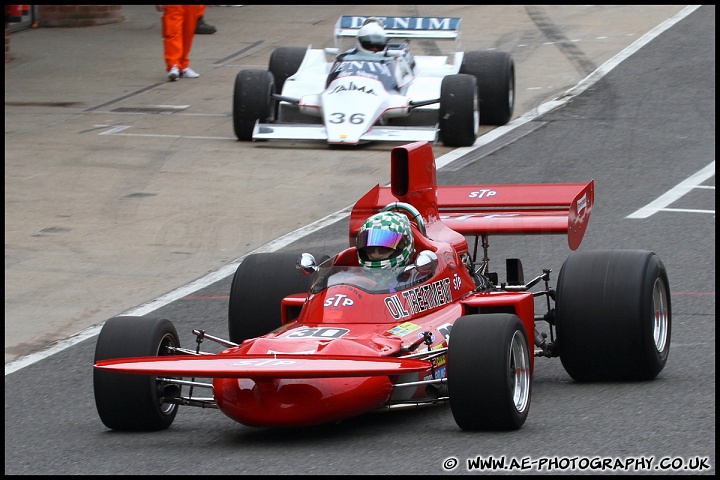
(495, 74)
(252, 101)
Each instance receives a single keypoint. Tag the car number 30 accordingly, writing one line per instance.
(339, 117)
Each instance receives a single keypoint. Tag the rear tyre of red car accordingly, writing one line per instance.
(252, 101)
(458, 113)
(613, 315)
(260, 283)
(134, 402)
(495, 74)
(489, 372)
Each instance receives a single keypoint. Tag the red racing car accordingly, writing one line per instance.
(317, 338)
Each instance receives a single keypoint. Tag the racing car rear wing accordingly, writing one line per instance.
(439, 28)
(477, 210)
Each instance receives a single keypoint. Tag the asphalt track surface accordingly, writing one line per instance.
(121, 186)
(644, 131)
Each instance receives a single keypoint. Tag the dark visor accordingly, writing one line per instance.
(380, 238)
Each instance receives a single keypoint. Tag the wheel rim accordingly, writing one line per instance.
(165, 389)
(519, 372)
(661, 315)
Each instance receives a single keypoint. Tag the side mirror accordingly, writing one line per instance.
(306, 264)
(426, 262)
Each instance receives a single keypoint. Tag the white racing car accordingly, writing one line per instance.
(392, 95)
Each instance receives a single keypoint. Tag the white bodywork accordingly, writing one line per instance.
(366, 91)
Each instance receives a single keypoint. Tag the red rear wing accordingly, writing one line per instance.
(523, 209)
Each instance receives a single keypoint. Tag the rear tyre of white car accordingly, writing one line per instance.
(613, 315)
(458, 113)
(252, 101)
(260, 283)
(285, 62)
(135, 402)
(495, 74)
(489, 372)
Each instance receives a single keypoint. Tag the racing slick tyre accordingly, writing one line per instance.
(134, 402)
(458, 116)
(284, 62)
(613, 315)
(495, 74)
(252, 101)
(260, 283)
(489, 372)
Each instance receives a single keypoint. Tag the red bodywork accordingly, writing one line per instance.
(340, 356)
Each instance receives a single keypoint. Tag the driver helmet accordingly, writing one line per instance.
(385, 240)
(371, 37)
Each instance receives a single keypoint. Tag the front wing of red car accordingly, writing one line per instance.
(265, 366)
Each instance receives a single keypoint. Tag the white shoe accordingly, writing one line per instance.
(189, 73)
(174, 73)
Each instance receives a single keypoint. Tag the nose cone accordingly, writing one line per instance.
(351, 105)
(299, 402)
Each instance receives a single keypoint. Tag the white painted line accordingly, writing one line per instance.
(687, 210)
(675, 193)
(114, 130)
(115, 134)
(330, 219)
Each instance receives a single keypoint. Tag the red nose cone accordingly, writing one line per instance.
(299, 402)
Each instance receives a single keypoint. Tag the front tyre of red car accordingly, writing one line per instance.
(458, 115)
(134, 402)
(613, 315)
(260, 283)
(489, 372)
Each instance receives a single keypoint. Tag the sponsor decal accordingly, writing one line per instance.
(441, 360)
(395, 307)
(445, 331)
(306, 352)
(405, 23)
(484, 193)
(440, 372)
(419, 299)
(428, 296)
(404, 329)
(582, 203)
(457, 281)
(351, 87)
(481, 215)
(264, 362)
(361, 68)
(339, 300)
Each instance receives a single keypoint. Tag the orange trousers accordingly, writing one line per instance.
(178, 30)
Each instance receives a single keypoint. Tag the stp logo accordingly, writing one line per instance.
(339, 300)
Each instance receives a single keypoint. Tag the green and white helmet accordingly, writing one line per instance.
(385, 240)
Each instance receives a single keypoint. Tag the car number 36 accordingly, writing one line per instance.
(339, 117)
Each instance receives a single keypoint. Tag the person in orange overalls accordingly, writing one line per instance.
(178, 30)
